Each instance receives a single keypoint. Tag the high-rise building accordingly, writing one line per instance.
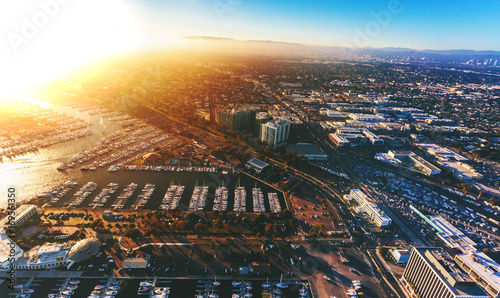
(261, 118)
(431, 273)
(235, 119)
(275, 133)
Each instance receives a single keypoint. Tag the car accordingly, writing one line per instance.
(91, 265)
(326, 278)
(101, 269)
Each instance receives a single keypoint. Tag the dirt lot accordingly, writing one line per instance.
(310, 210)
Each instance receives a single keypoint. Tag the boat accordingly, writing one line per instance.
(143, 291)
(74, 282)
(216, 283)
(114, 288)
(160, 293)
(281, 284)
(68, 292)
(146, 284)
(111, 293)
(72, 287)
(266, 285)
(61, 168)
(113, 169)
(236, 283)
(99, 287)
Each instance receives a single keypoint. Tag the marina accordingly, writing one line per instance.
(199, 198)
(172, 197)
(155, 287)
(274, 202)
(221, 196)
(258, 200)
(240, 195)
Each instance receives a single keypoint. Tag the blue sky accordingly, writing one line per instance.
(414, 24)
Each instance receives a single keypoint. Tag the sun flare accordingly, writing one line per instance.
(48, 41)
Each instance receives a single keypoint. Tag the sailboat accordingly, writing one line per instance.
(281, 284)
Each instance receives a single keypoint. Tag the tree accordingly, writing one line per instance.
(133, 234)
(199, 227)
(315, 230)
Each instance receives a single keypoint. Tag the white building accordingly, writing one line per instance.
(21, 215)
(9, 251)
(483, 270)
(275, 133)
(451, 236)
(376, 215)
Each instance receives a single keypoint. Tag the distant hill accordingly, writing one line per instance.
(277, 47)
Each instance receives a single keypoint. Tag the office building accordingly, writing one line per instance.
(431, 273)
(483, 270)
(376, 215)
(275, 133)
(21, 214)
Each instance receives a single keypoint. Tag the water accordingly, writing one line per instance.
(180, 288)
(36, 172)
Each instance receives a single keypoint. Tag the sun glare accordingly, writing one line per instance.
(46, 42)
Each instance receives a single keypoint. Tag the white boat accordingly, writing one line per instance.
(113, 169)
(281, 284)
(74, 282)
(236, 283)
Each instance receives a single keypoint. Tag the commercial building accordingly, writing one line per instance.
(367, 117)
(461, 171)
(373, 138)
(57, 255)
(451, 236)
(440, 153)
(8, 250)
(431, 273)
(21, 215)
(376, 215)
(310, 151)
(275, 133)
(408, 160)
(257, 164)
(400, 256)
(339, 140)
(483, 270)
(135, 263)
(234, 119)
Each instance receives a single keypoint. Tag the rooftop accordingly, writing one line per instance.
(484, 266)
(451, 235)
(444, 267)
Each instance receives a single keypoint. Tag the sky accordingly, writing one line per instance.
(417, 24)
(40, 39)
